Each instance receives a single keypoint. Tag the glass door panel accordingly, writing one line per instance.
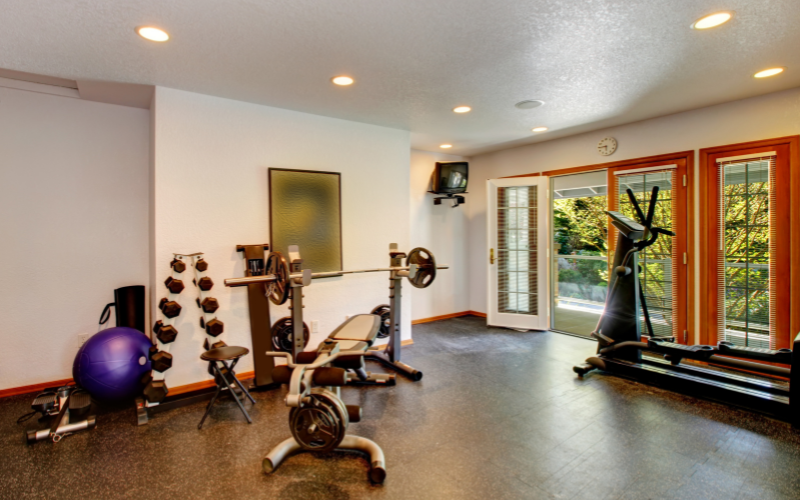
(656, 261)
(517, 256)
(580, 257)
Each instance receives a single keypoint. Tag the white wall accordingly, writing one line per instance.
(768, 116)
(73, 199)
(442, 230)
(211, 157)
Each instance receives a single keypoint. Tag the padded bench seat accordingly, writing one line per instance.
(358, 329)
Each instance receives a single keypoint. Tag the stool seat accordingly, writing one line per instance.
(224, 353)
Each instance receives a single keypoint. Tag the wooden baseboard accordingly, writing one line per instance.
(35, 387)
(173, 391)
(447, 316)
(402, 343)
(205, 384)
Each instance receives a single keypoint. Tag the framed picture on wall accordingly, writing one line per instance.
(305, 209)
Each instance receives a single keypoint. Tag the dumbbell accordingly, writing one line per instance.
(205, 284)
(209, 304)
(215, 327)
(215, 345)
(155, 391)
(178, 266)
(160, 361)
(170, 308)
(201, 265)
(174, 285)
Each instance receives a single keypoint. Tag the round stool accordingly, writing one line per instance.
(218, 359)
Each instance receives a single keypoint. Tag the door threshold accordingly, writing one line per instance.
(578, 335)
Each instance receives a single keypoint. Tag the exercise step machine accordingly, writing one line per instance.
(65, 410)
(620, 348)
(319, 418)
(278, 281)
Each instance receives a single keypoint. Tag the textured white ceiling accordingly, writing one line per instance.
(596, 63)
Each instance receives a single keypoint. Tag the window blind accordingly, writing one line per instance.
(746, 276)
(657, 262)
(517, 250)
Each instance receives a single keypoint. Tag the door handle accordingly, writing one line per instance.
(491, 256)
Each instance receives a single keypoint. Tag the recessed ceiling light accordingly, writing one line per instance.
(153, 34)
(539, 129)
(462, 109)
(446, 146)
(712, 21)
(769, 72)
(530, 104)
(342, 80)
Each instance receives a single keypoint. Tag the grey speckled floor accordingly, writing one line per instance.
(499, 414)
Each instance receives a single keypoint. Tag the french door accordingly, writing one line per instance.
(518, 253)
(663, 267)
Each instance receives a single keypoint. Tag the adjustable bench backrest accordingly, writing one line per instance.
(357, 333)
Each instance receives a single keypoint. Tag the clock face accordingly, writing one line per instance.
(607, 146)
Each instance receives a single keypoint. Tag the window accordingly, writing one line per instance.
(666, 267)
(747, 232)
(657, 262)
(517, 229)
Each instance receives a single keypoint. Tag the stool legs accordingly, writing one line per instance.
(219, 376)
(208, 408)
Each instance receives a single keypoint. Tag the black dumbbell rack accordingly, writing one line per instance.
(155, 396)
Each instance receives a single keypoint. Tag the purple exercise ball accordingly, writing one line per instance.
(110, 365)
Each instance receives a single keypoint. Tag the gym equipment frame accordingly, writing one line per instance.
(319, 418)
(620, 348)
(59, 407)
(420, 270)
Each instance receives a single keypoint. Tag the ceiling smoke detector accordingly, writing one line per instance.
(529, 104)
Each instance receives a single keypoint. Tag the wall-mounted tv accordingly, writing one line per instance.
(450, 177)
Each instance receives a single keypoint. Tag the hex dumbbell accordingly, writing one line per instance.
(178, 266)
(215, 327)
(170, 308)
(174, 285)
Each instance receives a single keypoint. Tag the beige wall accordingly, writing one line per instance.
(211, 158)
(442, 230)
(73, 199)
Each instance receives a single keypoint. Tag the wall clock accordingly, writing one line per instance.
(607, 146)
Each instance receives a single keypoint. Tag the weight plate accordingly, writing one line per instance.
(385, 312)
(282, 335)
(321, 423)
(278, 290)
(426, 267)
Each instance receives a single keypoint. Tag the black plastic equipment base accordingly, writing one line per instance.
(260, 388)
(760, 395)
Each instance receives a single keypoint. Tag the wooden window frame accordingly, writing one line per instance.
(788, 213)
(685, 223)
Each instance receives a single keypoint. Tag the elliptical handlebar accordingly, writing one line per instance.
(647, 221)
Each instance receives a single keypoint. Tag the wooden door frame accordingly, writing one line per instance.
(543, 306)
(791, 207)
(685, 158)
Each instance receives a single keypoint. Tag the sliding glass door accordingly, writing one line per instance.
(580, 257)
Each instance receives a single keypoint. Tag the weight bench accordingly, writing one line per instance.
(318, 417)
(357, 334)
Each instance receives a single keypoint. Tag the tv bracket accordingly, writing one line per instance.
(457, 199)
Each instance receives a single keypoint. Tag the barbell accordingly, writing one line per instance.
(278, 276)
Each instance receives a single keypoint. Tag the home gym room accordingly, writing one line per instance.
(444, 249)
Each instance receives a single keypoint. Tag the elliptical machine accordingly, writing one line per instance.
(620, 346)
